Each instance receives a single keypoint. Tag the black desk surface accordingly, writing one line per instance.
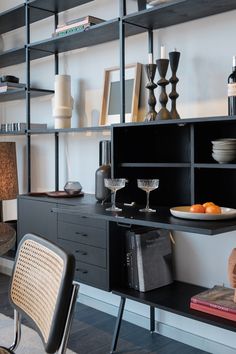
(88, 206)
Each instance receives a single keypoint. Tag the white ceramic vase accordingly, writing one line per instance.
(62, 102)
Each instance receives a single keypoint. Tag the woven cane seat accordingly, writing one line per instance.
(5, 351)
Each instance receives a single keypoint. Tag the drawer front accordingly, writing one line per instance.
(85, 253)
(91, 275)
(82, 220)
(82, 234)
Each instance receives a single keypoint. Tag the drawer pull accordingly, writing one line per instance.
(84, 271)
(79, 233)
(82, 252)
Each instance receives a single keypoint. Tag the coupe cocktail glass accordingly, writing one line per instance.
(148, 185)
(114, 184)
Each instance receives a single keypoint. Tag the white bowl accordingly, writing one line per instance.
(223, 158)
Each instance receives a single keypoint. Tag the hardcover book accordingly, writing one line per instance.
(213, 311)
(87, 20)
(218, 297)
(149, 262)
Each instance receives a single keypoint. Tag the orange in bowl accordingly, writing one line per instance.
(197, 208)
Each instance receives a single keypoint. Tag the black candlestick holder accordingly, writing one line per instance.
(151, 71)
(162, 65)
(174, 62)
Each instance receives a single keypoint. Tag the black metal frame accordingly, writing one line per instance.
(119, 319)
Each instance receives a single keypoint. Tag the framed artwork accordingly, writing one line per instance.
(110, 111)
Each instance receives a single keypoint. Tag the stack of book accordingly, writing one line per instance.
(217, 301)
(148, 259)
(10, 86)
(20, 127)
(76, 25)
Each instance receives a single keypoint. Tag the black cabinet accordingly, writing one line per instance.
(81, 235)
(36, 217)
(179, 153)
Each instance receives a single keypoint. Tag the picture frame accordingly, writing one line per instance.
(110, 110)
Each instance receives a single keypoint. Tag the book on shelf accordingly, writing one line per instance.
(148, 258)
(218, 297)
(131, 261)
(71, 30)
(19, 127)
(9, 86)
(213, 311)
(79, 22)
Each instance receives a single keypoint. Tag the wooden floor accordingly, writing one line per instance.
(92, 330)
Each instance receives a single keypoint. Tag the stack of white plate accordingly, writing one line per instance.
(224, 150)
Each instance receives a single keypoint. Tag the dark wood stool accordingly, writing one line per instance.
(7, 238)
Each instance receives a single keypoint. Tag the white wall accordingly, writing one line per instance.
(207, 47)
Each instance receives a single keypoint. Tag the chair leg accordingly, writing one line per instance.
(17, 330)
(66, 333)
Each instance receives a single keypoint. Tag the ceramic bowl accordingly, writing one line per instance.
(224, 157)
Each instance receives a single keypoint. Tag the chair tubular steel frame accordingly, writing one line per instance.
(66, 286)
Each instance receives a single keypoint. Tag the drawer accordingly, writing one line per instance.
(82, 220)
(85, 253)
(91, 275)
(82, 234)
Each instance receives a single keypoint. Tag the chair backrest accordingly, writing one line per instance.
(41, 287)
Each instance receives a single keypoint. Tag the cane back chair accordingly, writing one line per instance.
(43, 290)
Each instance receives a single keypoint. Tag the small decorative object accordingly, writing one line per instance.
(72, 188)
(151, 71)
(110, 111)
(174, 62)
(162, 65)
(232, 270)
(62, 102)
(114, 184)
(104, 171)
(148, 185)
(10, 78)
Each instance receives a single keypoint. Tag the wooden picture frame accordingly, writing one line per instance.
(110, 111)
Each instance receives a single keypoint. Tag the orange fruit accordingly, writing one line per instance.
(213, 209)
(208, 204)
(197, 208)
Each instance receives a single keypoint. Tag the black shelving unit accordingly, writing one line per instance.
(183, 164)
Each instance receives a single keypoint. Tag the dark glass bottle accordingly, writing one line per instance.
(232, 90)
(104, 171)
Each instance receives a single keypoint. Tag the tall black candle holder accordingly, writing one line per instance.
(162, 65)
(174, 62)
(151, 71)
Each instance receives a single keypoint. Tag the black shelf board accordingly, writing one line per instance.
(175, 298)
(12, 57)
(215, 165)
(97, 34)
(157, 164)
(15, 17)
(178, 11)
(161, 219)
(12, 133)
(180, 122)
(20, 94)
(70, 130)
